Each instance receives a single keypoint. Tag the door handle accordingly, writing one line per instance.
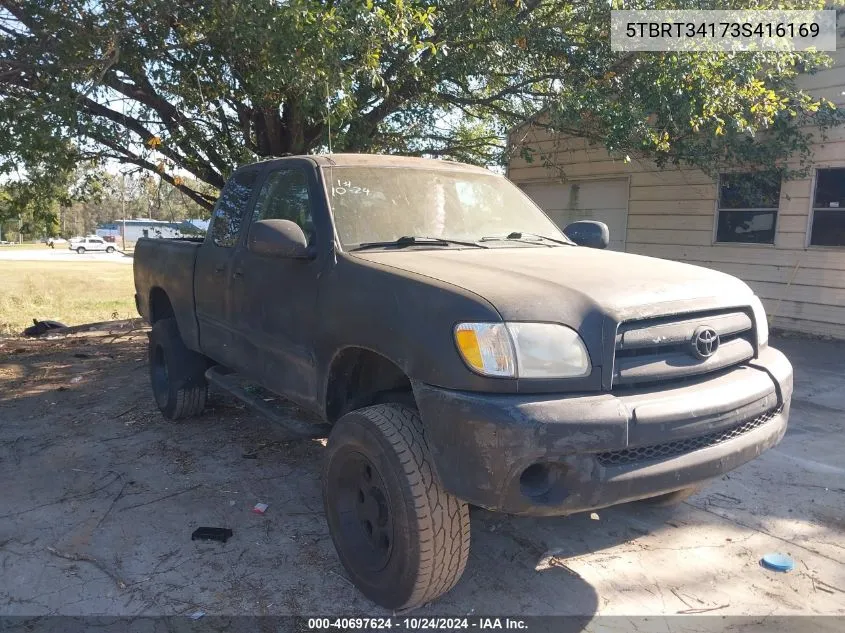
(238, 274)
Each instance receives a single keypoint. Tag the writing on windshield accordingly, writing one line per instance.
(372, 204)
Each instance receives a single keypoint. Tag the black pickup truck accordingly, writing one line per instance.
(456, 348)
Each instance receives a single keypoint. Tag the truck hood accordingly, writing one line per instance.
(569, 284)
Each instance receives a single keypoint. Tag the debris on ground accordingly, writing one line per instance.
(704, 610)
(196, 615)
(778, 562)
(115, 328)
(212, 534)
(260, 508)
(121, 584)
(40, 328)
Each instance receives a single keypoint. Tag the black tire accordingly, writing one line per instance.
(378, 471)
(110, 249)
(670, 498)
(80, 250)
(177, 374)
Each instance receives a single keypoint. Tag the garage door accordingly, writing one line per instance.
(602, 200)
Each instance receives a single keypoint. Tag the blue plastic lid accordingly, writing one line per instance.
(778, 562)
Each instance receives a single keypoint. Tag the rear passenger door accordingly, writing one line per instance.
(213, 272)
(274, 298)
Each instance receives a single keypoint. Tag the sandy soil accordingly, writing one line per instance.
(100, 495)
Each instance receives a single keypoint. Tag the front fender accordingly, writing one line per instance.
(405, 317)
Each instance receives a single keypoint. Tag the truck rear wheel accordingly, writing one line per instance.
(177, 374)
(403, 540)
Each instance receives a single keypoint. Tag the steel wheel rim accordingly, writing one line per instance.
(362, 505)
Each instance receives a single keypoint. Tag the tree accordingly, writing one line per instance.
(200, 87)
(74, 202)
(31, 205)
(133, 194)
(710, 110)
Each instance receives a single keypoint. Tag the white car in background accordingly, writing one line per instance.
(91, 243)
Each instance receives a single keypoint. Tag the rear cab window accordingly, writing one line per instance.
(228, 214)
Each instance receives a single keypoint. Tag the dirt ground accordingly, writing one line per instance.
(99, 496)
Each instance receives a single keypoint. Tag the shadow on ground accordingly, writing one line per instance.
(101, 494)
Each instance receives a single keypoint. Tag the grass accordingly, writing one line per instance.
(71, 292)
(27, 246)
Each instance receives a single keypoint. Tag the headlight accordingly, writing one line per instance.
(546, 350)
(761, 323)
(524, 350)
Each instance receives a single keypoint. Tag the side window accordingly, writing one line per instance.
(829, 208)
(748, 207)
(284, 196)
(230, 207)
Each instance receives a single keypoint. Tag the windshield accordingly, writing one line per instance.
(378, 204)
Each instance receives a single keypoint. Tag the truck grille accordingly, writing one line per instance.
(681, 447)
(672, 348)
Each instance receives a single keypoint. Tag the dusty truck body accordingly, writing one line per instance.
(457, 348)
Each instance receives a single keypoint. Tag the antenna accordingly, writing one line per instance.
(329, 116)
(331, 163)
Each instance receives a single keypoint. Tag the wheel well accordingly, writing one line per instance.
(160, 306)
(359, 378)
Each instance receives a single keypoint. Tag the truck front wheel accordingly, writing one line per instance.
(403, 540)
(177, 374)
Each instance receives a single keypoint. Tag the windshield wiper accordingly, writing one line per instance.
(521, 235)
(414, 240)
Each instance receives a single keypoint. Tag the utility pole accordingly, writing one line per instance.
(123, 206)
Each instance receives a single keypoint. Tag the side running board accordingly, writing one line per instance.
(283, 415)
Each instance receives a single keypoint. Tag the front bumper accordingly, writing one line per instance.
(549, 455)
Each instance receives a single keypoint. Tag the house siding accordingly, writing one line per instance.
(671, 214)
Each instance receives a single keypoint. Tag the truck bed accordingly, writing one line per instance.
(167, 265)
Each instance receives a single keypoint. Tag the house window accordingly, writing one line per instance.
(829, 208)
(748, 207)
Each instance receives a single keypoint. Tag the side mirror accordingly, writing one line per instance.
(588, 233)
(278, 238)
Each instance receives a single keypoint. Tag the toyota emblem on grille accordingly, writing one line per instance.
(705, 342)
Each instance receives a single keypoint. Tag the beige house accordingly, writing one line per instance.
(786, 242)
